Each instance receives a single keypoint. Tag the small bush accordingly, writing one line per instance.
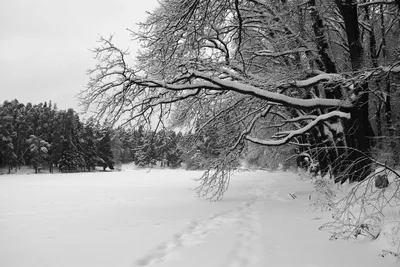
(323, 196)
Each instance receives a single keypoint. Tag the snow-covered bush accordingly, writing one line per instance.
(323, 196)
(365, 211)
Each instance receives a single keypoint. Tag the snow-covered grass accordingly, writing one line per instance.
(151, 218)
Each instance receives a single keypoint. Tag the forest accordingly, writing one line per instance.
(43, 137)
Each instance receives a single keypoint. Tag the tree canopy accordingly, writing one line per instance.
(302, 73)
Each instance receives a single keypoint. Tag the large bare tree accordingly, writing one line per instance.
(267, 72)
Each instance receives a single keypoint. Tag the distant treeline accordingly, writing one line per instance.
(42, 136)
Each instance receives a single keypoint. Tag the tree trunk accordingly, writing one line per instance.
(393, 145)
(358, 130)
(348, 10)
(371, 39)
(378, 107)
(358, 138)
(322, 44)
(383, 32)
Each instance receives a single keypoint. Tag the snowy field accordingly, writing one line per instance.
(139, 218)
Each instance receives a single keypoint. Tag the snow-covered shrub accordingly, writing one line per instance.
(323, 196)
(366, 211)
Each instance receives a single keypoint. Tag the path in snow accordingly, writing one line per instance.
(248, 229)
(271, 228)
(141, 219)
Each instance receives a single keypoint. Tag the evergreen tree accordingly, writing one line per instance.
(39, 149)
(117, 147)
(71, 158)
(7, 135)
(104, 149)
(89, 146)
(145, 151)
(173, 155)
(22, 134)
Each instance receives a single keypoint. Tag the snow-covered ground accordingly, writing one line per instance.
(139, 218)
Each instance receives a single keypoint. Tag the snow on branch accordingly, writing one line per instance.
(203, 81)
(296, 119)
(112, 84)
(395, 68)
(269, 53)
(295, 133)
(316, 79)
(112, 94)
(116, 89)
(218, 84)
(382, 2)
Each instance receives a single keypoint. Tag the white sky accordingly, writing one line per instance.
(44, 44)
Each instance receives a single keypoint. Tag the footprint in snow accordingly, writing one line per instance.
(247, 247)
(195, 233)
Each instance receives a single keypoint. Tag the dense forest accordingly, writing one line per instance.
(43, 137)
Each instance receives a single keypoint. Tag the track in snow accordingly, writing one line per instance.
(244, 251)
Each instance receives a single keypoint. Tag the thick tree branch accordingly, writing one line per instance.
(290, 135)
(382, 2)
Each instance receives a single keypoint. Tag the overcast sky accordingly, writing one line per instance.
(44, 44)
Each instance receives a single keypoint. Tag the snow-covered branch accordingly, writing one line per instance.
(378, 2)
(269, 53)
(291, 134)
(218, 84)
(321, 77)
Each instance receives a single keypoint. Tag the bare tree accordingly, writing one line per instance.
(268, 72)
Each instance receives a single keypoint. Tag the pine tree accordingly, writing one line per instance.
(39, 149)
(7, 134)
(89, 146)
(71, 157)
(104, 149)
(117, 147)
(173, 152)
(145, 151)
